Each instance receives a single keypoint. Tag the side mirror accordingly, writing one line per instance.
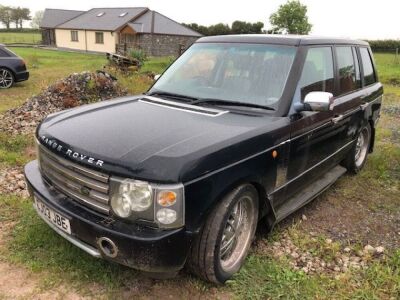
(156, 77)
(316, 101)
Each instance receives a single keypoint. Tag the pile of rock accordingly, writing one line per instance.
(12, 182)
(74, 90)
(312, 262)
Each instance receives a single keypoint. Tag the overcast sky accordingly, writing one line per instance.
(343, 18)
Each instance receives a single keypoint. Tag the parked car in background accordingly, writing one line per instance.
(239, 129)
(12, 68)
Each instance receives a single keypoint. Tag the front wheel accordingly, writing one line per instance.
(357, 156)
(224, 241)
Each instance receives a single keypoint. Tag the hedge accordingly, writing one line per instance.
(15, 30)
(384, 45)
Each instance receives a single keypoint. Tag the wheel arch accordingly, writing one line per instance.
(264, 205)
(9, 69)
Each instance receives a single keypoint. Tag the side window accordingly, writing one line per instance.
(369, 73)
(317, 74)
(347, 69)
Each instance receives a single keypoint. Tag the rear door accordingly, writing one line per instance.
(348, 110)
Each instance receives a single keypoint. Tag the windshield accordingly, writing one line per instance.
(246, 73)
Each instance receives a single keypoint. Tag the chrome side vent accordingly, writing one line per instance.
(183, 106)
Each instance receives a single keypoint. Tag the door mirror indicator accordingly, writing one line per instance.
(316, 101)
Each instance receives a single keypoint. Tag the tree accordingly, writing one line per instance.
(18, 15)
(291, 18)
(24, 16)
(240, 27)
(37, 19)
(196, 27)
(219, 29)
(5, 16)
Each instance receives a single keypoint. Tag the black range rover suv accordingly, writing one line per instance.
(240, 129)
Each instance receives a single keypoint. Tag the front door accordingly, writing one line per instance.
(315, 138)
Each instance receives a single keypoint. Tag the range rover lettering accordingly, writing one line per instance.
(238, 131)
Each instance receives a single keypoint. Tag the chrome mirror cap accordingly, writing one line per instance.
(319, 101)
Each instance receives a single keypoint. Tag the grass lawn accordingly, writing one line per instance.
(46, 66)
(388, 67)
(33, 245)
(20, 37)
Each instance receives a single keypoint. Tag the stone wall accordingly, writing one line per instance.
(164, 45)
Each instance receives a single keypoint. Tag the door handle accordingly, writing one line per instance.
(364, 106)
(337, 119)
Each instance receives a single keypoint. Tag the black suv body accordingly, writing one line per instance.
(239, 129)
(12, 68)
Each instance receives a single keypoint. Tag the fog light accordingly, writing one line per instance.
(166, 216)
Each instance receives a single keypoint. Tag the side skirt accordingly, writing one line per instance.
(309, 193)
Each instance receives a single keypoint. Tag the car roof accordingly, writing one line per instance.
(291, 40)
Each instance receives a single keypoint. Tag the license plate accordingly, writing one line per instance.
(52, 216)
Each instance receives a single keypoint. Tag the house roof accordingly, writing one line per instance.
(140, 19)
(161, 25)
(109, 19)
(54, 17)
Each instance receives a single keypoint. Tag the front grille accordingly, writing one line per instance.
(89, 187)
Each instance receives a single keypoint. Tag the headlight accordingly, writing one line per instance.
(132, 196)
(163, 205)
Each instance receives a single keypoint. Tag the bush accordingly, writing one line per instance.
(139, 55)
(384, 45)
(17, 30)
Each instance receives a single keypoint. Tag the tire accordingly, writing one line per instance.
(219, 251)
(6, 78)
(357, 156)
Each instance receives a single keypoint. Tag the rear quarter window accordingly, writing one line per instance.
(368, 68)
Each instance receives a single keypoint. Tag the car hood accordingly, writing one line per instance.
(155, 141)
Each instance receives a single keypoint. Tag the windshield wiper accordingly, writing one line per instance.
(172, 96)
(229, 102)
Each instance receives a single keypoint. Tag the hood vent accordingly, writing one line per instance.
(183, 106)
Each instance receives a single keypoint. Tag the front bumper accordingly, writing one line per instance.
(145, 249)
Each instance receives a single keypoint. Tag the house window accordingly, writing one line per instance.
(99, 38)
(74, 36)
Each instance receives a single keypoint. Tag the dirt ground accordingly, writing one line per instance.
(367, 218)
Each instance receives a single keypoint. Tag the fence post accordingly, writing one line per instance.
(396, 59)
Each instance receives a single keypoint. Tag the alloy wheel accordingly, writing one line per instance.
(6, 79)
(237, 233)
(362, 147)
